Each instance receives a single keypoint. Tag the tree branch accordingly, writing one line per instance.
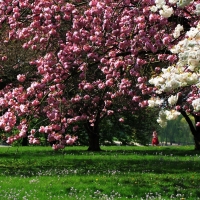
(188, 120)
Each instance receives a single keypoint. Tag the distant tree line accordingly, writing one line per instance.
(176, 132)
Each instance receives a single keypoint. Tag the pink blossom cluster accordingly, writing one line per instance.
(7, 121)
(32, 139)
(67, 140)
(22, 132)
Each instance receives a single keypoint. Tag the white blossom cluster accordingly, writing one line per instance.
(172, 100)
(156, 101)
(183, 3)
(197, 9)
(188, 49)
(164, 10)
(153, 102)
(177, 31)
(186, 72)
(173, 78)
(196, 105)
(173, 1)
(165, 115)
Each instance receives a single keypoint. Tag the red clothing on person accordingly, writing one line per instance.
(155, 141)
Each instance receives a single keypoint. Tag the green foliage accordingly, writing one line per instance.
(3, 138)
(144, 123)
(137, 127)
(81, 133)
(111, 129)
(17, 143)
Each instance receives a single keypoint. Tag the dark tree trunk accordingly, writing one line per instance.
(93, 136)
(197, 144)
(93, 131)
(25, 141)
(197, 134)
(94, 142)
(195, 130)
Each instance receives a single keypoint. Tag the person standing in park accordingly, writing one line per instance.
(155, 140)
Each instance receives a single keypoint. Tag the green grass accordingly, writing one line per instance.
(115, 173)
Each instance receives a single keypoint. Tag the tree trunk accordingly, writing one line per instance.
(94, 142)
(197, 134)
(197, 144)
(25, 141)
(93, 136)
(195, 130)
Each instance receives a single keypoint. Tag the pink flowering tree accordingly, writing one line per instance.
(177, 86)
(75, 63)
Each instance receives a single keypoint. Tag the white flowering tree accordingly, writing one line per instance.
(177, 87)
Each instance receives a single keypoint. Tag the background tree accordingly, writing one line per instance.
(134, 128)
(176, 132)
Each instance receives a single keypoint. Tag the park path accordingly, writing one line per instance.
(5, 146)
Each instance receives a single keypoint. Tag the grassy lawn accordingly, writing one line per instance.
(128, 172)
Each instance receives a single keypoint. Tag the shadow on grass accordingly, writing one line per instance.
(124, 159)
(49, 153)
(100, 166)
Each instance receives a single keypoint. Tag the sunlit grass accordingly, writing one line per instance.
(115, 173)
